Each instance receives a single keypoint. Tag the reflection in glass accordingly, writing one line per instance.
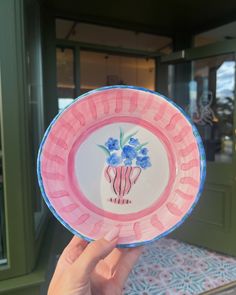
(65, 73)
(100, 69)
(211, 104)
(109, 36)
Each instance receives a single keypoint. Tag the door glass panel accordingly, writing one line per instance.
(209, 99)
(211, 104)
(65, 77)
(101, 69)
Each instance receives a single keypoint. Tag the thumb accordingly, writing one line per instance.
(94, 252)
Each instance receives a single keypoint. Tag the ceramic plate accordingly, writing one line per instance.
(121, 156)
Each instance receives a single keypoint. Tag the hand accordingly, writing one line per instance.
(96, 268)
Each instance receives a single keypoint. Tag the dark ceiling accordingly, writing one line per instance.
(162, 17)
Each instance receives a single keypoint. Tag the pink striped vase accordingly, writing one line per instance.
(122, 178)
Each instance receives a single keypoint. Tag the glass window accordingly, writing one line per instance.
(65, 76)
(211, 104)
(95, 34)
(101, 69)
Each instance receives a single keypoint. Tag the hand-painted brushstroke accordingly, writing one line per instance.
(174, 209)
(156, 222)
(173, 121)
(191, 164)
(53, 175)
(188, 149)
(182, 134)
(189, 180)
(54, 158)
(59, 194)
(59, 141)
(137, 230)
(184, 195)
(78, 116)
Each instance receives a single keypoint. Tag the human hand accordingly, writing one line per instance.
(96, 268)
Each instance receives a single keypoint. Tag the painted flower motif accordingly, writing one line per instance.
(128, 162)
(134, 141)
(143, 162)
(144, 151)
(128, 152)
(114, 160)
(112, 144)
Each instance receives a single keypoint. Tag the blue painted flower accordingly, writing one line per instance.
(128, 152)
(143, 162)
(144, 151)
(114, 160)
(112, 144)
(128, 162)
(134, 141)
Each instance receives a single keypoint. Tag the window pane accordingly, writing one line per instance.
(102, 35)
(100, 69)
(208, 97)
(65, 73)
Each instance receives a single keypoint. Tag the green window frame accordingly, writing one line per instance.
(22, 244)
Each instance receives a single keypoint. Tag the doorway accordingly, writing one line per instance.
(204, 85)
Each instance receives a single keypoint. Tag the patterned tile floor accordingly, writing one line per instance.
(170, 267)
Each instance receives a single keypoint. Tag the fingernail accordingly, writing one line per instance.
(112, 234)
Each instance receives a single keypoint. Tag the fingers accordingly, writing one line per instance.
(94, 252)
(114, 257)
(126, 264)
(69, 255)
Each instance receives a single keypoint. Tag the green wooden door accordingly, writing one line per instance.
(204, 85)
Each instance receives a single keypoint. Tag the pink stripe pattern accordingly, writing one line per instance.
(119, 102)
(191, 164)
(78, 116)
(182, 134)
(54, 158)
(188, 149)
(185, 196)
(84, 217)
(122, 178)
(59, 194)
(97, 228)
(58, 141)
(106, 107)
(156, 222)
(147, 106)
(137, 230)
(133, 102)
(160, 112)
(69, 208)
(174, 209)
(173, 121)
(67, 126)
(92, 108)
(53, 175)
(189, 180)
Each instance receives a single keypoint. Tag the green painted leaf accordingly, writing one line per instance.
(141, 146)
(121, 137)
(127, 138)
(106, 151)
